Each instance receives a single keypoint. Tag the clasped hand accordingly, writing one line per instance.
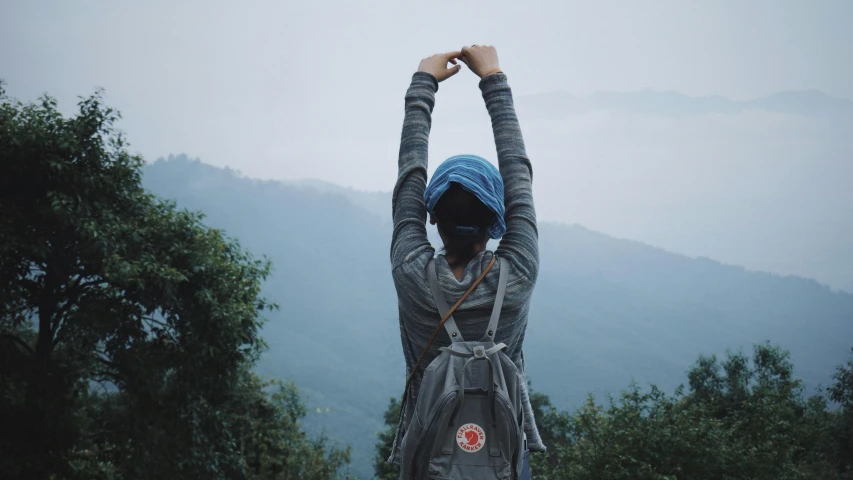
(480, 59)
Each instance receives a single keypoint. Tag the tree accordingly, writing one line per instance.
(839, 447)
(742, 418)
(381, 468)
(128, 328)
(270, 437)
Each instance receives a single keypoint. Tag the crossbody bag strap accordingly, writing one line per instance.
(443, 320)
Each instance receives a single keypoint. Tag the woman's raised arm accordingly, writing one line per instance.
(407, 203)
(520, 243)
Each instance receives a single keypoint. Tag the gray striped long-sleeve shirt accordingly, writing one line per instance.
(411, 250)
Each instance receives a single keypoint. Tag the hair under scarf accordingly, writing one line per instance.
(476, 175)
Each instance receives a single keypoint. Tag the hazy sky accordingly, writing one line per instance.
(314, 90)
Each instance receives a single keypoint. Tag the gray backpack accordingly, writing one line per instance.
(467, 421)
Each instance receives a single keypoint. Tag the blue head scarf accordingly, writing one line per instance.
(476, 175)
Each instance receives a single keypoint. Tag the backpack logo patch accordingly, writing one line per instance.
(470, 437)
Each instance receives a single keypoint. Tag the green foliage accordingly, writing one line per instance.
(840, 432)
(741, 419)
(127, 327)
(381, 468)
(270, 438)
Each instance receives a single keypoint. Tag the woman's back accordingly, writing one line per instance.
(419, 315)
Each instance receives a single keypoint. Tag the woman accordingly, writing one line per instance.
(470, 202)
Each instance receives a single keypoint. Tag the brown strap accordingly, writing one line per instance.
(443, 320)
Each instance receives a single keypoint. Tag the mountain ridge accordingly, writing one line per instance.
(605, 311)
(378, 204)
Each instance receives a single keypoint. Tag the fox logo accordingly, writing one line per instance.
(470, 437)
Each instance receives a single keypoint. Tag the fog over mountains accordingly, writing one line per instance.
(672, 103)
(763, 183)
(606, 311)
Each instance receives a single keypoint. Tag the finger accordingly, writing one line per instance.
(453, 71)
(448, 72)
(453, 54)
(453, 61)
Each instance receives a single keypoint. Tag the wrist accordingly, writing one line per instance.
(490, 72)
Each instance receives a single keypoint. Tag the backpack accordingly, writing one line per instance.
(467, 421)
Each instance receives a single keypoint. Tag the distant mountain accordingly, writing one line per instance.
(377, 203)
(561, 104)
(605, 310)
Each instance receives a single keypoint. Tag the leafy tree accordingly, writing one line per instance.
(839, 448)
(127, 327)
(742, 418)
(269, 435)
(381, 468)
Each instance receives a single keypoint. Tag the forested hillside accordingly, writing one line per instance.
(606, 311)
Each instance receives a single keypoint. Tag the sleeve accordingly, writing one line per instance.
(520, 243)
(408, 208)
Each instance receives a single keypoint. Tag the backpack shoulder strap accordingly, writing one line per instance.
(441, 303)
(499, 301)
